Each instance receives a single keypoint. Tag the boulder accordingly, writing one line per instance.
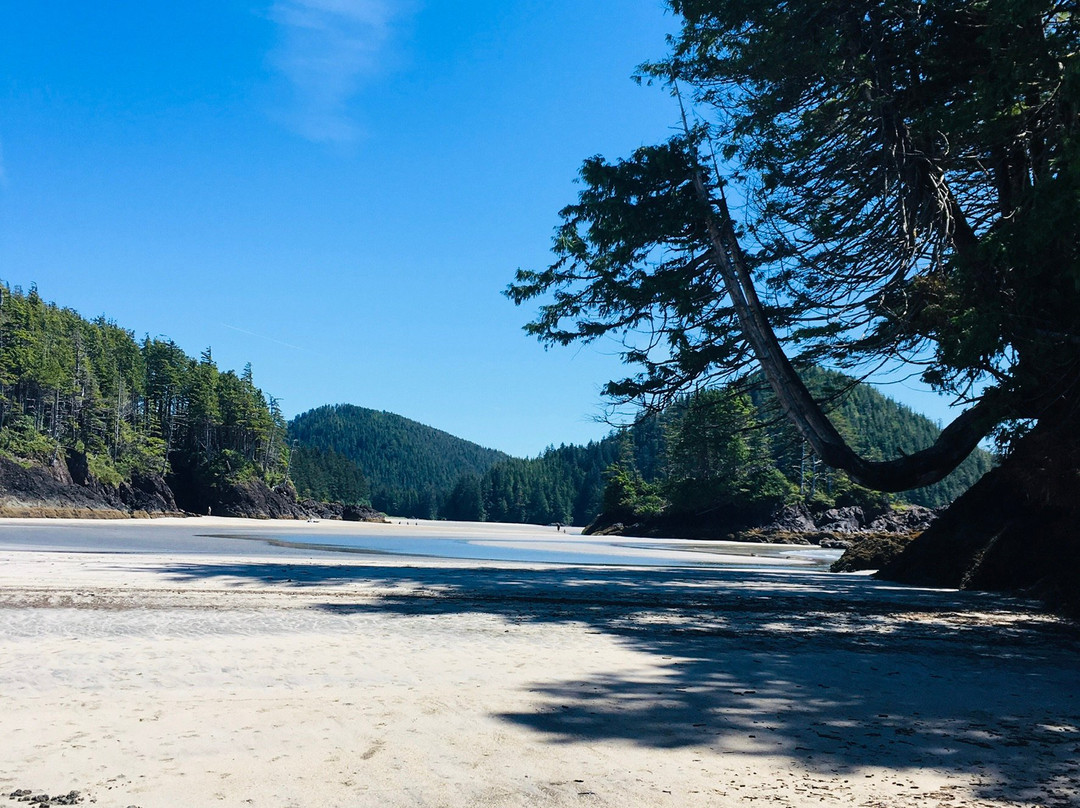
(361, 513)
(36, 489)
(149, 494)
(254, 499)
(872, 552)
(849, 519)
(791, 519)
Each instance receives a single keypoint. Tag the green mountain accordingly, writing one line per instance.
(326, 476)
(138, 414)
(410, 467)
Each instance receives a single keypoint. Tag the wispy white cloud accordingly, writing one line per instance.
(262, 336)
(327, 50)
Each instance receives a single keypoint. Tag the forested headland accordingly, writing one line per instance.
(143, 426)
(409, 466)
(94, 421)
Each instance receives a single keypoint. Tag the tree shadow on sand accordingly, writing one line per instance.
(834, 672)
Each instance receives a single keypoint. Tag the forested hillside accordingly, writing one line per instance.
(410, 467)
(122, 409)
(567, 484)
(89, 396)
(415, 470)
(327, 476)
(875, 425)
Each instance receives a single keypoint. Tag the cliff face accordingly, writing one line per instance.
(66, 488)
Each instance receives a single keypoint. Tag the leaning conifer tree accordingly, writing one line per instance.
(908, 182)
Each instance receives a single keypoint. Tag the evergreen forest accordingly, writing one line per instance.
(132, 408)
(409, 466)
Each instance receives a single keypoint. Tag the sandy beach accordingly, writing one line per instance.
(159, 664)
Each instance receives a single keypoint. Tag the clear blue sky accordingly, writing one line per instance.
(334, 190)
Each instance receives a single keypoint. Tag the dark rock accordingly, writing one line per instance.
(830, 543)
(335, 510)
(838, 528)
(909, 519)
(361, 513)
(68, 488)
(322, 510)
(616, 529)
(752, 536)
(872, 552)
(849, 519)
(254, 499)
(791, 519)
(148, 493)
(37, 489)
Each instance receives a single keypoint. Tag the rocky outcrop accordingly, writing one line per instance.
(254, 499)
(851, 519)
(149, 494)
(872, 551)
(347, 513)
(870, 536)
(34, 489)
(839, 528)
(67, 488)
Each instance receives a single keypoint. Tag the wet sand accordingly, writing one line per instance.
(233, 672)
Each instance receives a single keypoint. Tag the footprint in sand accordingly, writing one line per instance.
(372, 750)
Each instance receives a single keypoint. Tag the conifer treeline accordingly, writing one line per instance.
(68, 384)
(328, 476)
(716, 449)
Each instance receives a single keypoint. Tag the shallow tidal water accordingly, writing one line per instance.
(596, 551)
(435, 540)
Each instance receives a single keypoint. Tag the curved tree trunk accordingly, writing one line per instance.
(922, 468)
(1015, 530)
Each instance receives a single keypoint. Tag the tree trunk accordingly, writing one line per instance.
(1015, 530)
(916, 470)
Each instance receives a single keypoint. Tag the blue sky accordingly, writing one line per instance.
(334, 190)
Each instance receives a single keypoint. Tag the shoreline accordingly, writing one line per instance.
(306, 678)
(483, 542)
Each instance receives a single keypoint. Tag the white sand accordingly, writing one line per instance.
(274, 677)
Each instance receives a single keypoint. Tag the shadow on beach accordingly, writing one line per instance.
(837, 673)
